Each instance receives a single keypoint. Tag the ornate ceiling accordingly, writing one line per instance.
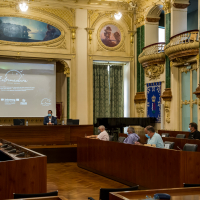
(122, 5)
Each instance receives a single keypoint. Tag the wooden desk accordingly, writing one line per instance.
(36, 135)
(181, 142)
(176, 194)
(148, 167)
(22, 174)
(174, 133)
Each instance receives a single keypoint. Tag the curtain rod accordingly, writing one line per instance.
(108, 63)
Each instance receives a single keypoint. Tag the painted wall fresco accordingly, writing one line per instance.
(110, 35)
(18, 29)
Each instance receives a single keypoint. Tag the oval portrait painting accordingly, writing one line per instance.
(110, 35)
(17, 29)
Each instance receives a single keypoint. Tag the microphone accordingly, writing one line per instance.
(12, 151)
(22, 154)
(4, 145)
(8, 148)
(179, 148)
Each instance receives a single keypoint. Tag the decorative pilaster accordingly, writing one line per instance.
(167, 97)
(68, 97)
(167, 63)
(73, 36)
(89, 31)
(132, 33)
(167, 7)
(140, 70)
(140, 103)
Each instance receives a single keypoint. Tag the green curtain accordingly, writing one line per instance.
(116, 91)
(108, 94)
(100, 92)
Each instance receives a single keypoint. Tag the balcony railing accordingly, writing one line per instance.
(153, 49)
(152, 54)
(184, 38)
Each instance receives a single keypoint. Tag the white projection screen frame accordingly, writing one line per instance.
(27, 88)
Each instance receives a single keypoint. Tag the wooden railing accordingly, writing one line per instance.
(153, 49)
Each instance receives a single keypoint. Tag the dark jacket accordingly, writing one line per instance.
(53, 120)
(194, 135)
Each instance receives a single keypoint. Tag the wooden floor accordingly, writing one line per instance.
(73, 182)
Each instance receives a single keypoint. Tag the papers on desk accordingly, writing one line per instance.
(150, 145)
(167, 146)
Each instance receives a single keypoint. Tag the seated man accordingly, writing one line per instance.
(132, 136)
(50, 120)
(194, 133)
(153, 137)
(103, 135)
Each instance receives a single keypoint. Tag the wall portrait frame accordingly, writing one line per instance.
(122, 37)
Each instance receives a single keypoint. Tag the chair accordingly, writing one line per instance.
(169, 145)
(181, 136)
(191, 185)
(104, 192)
(111, 138)
(165, 135)
(121, 139)
(23, 196)
(190, 147)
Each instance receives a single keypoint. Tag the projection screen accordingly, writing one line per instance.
(27, 89)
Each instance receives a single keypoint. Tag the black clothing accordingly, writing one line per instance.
(194, 135)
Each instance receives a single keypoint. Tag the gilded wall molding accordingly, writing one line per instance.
(167, 7)
(186, 70)
(94, 16)
(66, 67)
(167, 106)
(67, 14)
(197, 93)
(140, 108)
(179, 62)
(149, 19)
(182, 50)
(180, 5)
(185, 103)
(152, 59)
(89, 31)
(167, 97)
(154, 71)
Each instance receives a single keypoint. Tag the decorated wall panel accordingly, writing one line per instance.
(109, 37)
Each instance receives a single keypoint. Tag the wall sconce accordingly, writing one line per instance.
(118, 16)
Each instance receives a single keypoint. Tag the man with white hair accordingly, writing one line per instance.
(132, 136)
(103, 135)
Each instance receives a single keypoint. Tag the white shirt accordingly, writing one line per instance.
(103, 136)
(50, 120)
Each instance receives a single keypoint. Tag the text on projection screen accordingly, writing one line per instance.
(27, 89)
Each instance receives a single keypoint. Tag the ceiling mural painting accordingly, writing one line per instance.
(17, 29)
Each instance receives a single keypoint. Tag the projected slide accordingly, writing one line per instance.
(27, 89)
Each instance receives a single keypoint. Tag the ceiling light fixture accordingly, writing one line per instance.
(118, 16)
(23, 7)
